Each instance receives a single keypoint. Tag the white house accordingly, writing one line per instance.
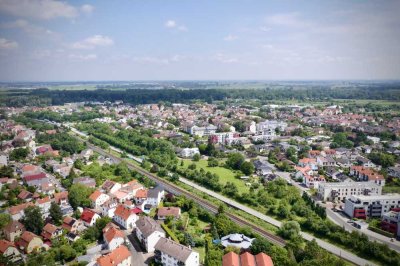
(113, 237)
(110, 186)
(170, 253)
(155, 195)
(89, 217)
(125, 216)
(97, 199)
(189, 152)
(108, 208)
(148, 232)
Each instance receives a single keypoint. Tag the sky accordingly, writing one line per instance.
(49, 40)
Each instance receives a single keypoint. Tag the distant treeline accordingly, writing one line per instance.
(145, 96)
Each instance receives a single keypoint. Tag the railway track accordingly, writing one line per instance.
(205, 204)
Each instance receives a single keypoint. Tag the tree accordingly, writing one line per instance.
(78, 164)
(55, 213)
(290, 230)
(230, 189)
(196, 157)
(79, 196)
(72, 174)
(235, 160)
(247, 168)
(260, 245)
(5, 219)
(33, 219)
(67, 253)
(6, 171)
(19, 154)
(212, 162)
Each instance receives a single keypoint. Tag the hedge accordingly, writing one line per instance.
(169, 232)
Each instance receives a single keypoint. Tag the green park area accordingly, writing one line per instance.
(225, 174)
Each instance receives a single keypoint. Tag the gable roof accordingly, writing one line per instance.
(169, 211)
(60, 196)
(112, 233)
(147, 226)
(34, 177)
(87, 215)
(115, 257)
(123, 212)
(18, 208)
(13, 226)
(175, 250)
(94, 196)
(4, 245)
(246, 259)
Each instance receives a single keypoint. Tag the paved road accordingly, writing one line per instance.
(340, 219)
(329, 247)
(139, 258)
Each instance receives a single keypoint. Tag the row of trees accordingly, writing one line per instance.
(41, 97)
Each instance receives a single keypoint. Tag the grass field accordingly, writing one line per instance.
(225, 175)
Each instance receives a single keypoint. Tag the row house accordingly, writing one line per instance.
(367, 174)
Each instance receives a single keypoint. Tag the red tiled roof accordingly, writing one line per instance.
(60, 196)
(35, 177)
(246, 259)
(18, 208)
(117, 256)
(141, 193)
(230, 259)
(87, 215)
(95, 195)
(112, 233)
(4, 245)
(123, 212)
(263, 259)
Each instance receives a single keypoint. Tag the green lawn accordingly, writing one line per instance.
(225, 175)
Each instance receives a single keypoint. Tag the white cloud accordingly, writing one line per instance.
(93, 42)
(182, 28)
(87, 9)
(81, 57)
(172, 24)
(28, 27)
(225, 59)
(230, 38)
(8, 44)
(264, 29)
(288, 20)
(38, 9)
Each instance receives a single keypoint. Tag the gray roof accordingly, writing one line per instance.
(147, 226)
(153, 193)
(175, 250)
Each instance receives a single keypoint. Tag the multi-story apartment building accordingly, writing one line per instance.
(371, 206)
(170, 253)
(342, 190)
